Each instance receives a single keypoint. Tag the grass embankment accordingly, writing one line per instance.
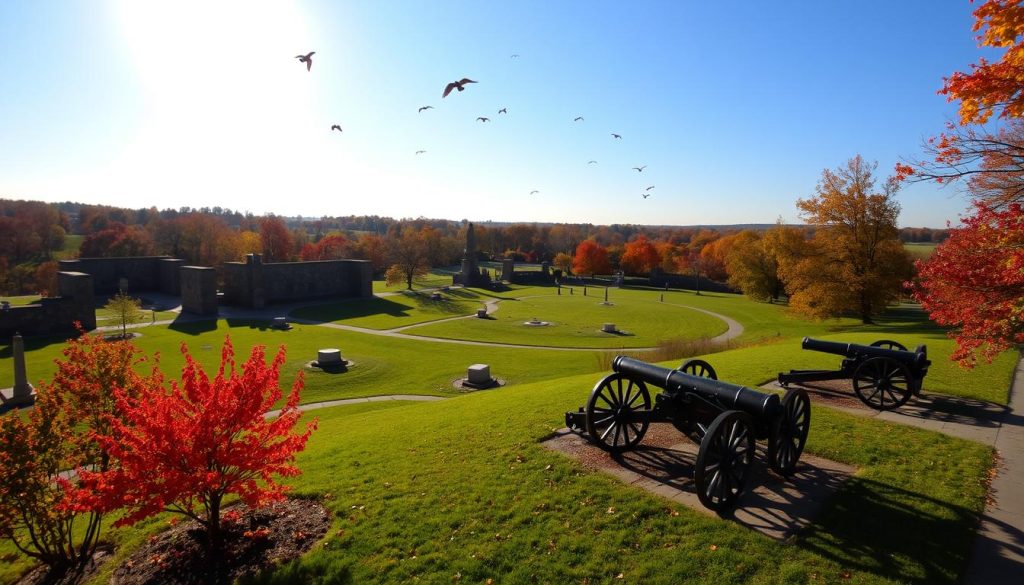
(22, 300)
(462, 491)
(920, 250)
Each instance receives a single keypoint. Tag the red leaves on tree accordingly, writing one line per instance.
(591, 258)
(185, 448)
(992, 87)
(974, 281)
(640, 256)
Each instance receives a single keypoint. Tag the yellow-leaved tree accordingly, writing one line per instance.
(855, 264)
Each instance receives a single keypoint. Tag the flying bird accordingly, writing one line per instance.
(616, 136)
(649, 188)
(640, 169)
(420, 151)
(646, 195)
(307, 59)
(578, 119)
(515, 56)
(534, 192)
(456, 85)
(424, 108)
(482, 119)
(503, 111)
(591, 162)
(336, 127)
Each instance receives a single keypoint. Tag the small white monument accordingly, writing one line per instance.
(23, 393)
(329, 357)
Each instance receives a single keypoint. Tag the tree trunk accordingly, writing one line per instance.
(213, 535)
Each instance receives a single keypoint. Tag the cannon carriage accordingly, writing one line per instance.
(884, 374)
(725, 419)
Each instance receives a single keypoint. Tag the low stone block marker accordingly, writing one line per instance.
(329, 357)
(481, 313)
(479, 375)
(609, 328)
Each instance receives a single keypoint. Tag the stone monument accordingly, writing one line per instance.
(23, 391)
(470, 274)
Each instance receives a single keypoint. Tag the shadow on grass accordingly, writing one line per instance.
(352, 309)
(878, 528)
(33, 342)
(190, 326)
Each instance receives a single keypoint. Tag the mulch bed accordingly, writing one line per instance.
(256, 541)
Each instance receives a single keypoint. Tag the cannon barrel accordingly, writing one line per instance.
(911, 358)
(764, 407)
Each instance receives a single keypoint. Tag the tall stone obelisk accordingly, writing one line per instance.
(470, 270)
(22, 395)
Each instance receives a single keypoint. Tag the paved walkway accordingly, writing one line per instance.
(997, 555)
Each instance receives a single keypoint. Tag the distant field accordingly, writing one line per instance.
(72, 243)
(920, 250)
(21, 300)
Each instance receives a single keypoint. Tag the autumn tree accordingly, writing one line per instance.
(856, 263)
(42, 511)
(966, 281)
(639, 256)
(330, 247)
(563, 262)
(127, 311)
(184, 449)
(754, 259)
(410, 253)
(276, 239)
(590, 258)
(116, 241)
(974, 282)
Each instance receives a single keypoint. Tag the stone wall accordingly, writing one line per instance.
(139, 273)
(689, 282)
(255, 284)
(199, 290)
(54, 315)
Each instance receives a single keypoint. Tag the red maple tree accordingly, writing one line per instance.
(640, 256)
(185, 449)
(591, 258)
(974, 281)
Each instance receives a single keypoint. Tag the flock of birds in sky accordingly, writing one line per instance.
(460, 85)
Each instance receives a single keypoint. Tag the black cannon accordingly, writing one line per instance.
(725, 419)
(884, 374)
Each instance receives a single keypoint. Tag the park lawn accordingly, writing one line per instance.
(108, 317)
(471, 495)
(575, 321)
(22, 300)
(461, 490)
(436, 278)
(383, 365)
(389, 312)
(127, 539)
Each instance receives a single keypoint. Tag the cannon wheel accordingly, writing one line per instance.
(698, 368)
(693, 429)
(882, 383)
(889, 344)
(608, 409)
(789, 432)
(724, 458)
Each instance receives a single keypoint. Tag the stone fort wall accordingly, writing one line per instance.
(138, 273)
(54, 315)
(255, 284)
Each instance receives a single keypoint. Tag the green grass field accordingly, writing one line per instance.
(920, 250)
(575, 321)
(461, 491)
(20, 301)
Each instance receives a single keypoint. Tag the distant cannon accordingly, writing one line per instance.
(725, 419)
(885, 375)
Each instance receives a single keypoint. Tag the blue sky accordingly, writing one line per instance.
(734, 108)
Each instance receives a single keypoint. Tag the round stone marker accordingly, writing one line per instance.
(327, 357)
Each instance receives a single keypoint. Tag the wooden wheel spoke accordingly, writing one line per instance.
(604, 435)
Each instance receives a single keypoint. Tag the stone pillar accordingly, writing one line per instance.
(169, 275)
(545, 269)
(256, 295)
(198, 290)
(22, 395)
(508, 266)
(78, 289)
